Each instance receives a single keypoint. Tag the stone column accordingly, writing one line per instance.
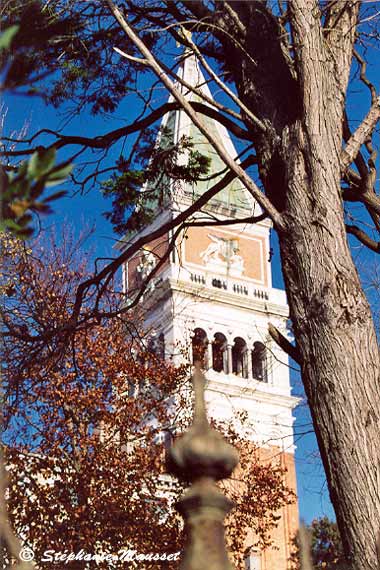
(229, 359)
(209, 355)
(248, 357)
(202, 456)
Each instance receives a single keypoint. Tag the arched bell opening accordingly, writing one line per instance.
(219, 353)
(239, 358)
(199, 345)
(259, 362)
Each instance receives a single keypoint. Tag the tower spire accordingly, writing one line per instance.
(214, 295)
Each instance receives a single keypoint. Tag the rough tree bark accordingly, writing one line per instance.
(300, 165)
(332, 320)
(333, 327)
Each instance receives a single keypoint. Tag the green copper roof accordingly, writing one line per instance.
(232, 196)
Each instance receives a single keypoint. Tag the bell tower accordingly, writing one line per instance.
(213, 295)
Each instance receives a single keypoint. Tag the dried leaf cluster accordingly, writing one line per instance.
(86, 422)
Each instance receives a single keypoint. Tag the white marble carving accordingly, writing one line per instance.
(145, 267)
(214, 250)
(222, 255)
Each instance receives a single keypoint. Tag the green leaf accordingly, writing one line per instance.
(41, 162)
(10, 224)
(19, 207)
(24, 233)
(7, 36)
(33, 165)
(59, 176)
(24, 220)
(47, 160)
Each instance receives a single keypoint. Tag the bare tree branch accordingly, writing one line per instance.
(248, 220)
(192, 88)
(359, 137)
(363, 75)
(226, 89)
(106, 140)
(283, 343)
(363, 238)
(359, 159)
(242, 29)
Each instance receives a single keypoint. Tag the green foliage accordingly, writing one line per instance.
(66, 42)
(43, 31)
(167, 158)
(326, 546)
(137, 195)
(7, 36)
(125, 191)
(23, 188)
(62, 51)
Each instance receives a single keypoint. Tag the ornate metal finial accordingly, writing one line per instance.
(202, 456)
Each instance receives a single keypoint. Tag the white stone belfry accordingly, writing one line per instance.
(213, 296)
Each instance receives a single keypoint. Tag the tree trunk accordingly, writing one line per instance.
(299, 163)
(334, 330)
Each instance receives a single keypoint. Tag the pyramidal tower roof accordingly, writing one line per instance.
(178, 124)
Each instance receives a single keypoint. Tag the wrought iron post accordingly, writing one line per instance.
(201, 457)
